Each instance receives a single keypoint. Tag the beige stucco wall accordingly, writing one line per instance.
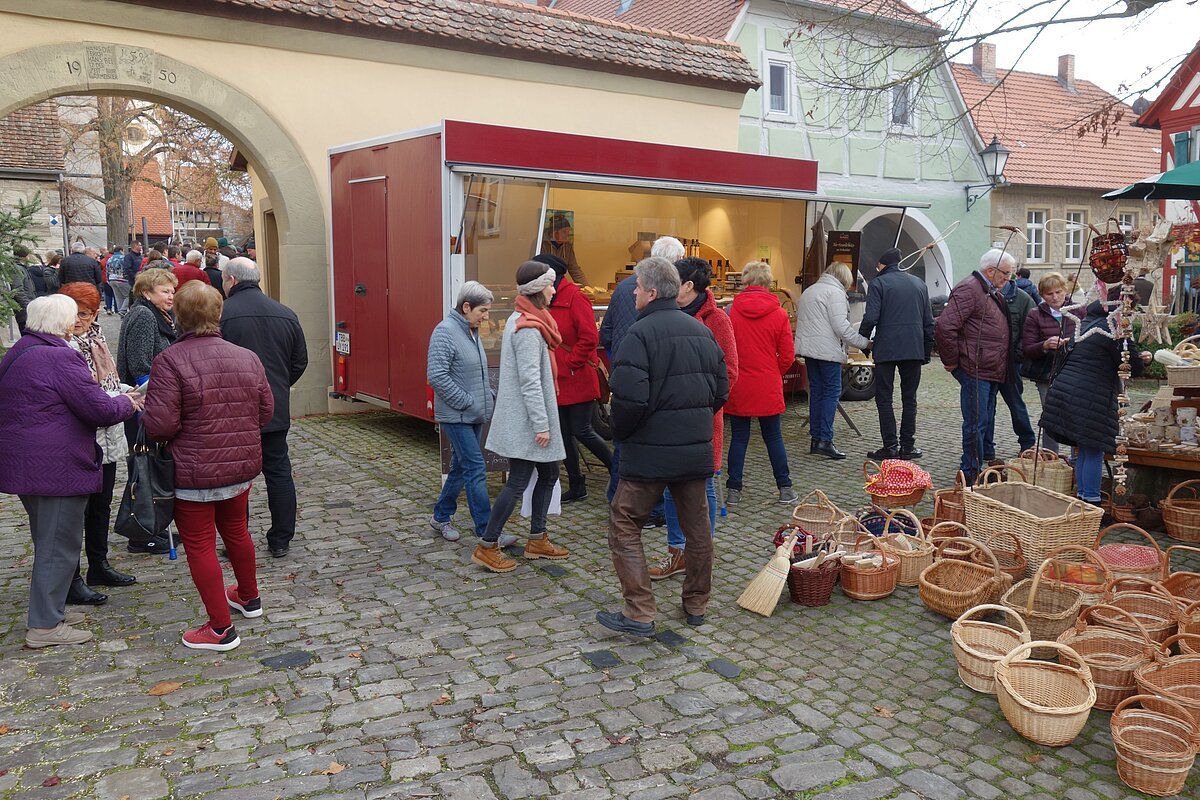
(286, 96)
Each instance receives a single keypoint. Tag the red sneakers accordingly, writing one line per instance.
(249, 608)
(205, 638)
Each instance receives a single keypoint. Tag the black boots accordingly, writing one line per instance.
(884, 452)
(101, 573)
(80, 595)
(826, 449)
(576, 491)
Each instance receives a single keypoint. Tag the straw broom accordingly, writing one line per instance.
(762, 595)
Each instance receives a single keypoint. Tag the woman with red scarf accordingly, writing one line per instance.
(525, 427)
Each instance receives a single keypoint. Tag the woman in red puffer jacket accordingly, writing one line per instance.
(765, 353)
(208, 400)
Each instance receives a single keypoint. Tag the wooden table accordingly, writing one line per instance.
(1164, 459)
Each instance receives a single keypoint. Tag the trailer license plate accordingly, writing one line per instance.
(341, 343)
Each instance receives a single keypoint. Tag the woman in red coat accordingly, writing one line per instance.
(765, 352)
(578, 384)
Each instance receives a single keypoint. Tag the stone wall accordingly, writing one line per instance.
(47, 237)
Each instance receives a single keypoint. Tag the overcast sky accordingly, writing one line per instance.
(1108, 52)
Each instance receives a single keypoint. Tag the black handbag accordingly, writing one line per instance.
(148, 504)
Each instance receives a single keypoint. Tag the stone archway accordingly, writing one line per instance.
(50, 71)
(937, 270)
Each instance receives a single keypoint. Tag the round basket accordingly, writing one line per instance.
(940, 531)
(950, 586)
(1012, 561)
(1183, 586)
(1048, 610)
(1156, 742)
(1090, 577)
(948, 503)
(1045, 702)
(1130, 560)
(813, 586)
(914, 551)
(1112, 655)
(818, 515)
(1044, 468)
(1175, 677)
(870, 583)
(1181, 515)
(1153, 607)
(903, 498)
(978, 645)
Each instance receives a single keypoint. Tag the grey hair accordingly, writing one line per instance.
(91, 251)
(995, 257)
(839, 270)
(242, 270)
(474, 294)
(194, 256)
(658, 274)
(667, 247)
(78, 247)
(53, 314)
(757, 273)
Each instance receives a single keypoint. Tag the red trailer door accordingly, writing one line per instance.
(369, 260)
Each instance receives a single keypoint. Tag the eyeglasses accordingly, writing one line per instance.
(82, 315)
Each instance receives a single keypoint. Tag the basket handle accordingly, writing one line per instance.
(1166, 573)
(823, 503)
(1127, 526)
(971, 613)
(960, 480)
(999, 474)
(1081, 623)
(1113, 588)
(1033, 454)
(977, 546)
(952, 525)
(1178, 486)
(865, 538)
(867, 475)
(1023, 650)
(1164, 649)
(920, 530)
(1016, 540)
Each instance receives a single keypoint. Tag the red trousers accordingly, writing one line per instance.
(198, 525)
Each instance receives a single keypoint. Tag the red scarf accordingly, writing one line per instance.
(540, 319)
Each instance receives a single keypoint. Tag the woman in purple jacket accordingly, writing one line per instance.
(50, 409)
(1045, 335)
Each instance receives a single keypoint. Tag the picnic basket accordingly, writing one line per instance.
(1044, 701)
(948, 503)
(1089, 577)
(1109, 252)
(895, 483)
(1040, 518)
(1156, 742)
(1176, 677)
(1046, 469)
(818, 515)
(1154, 608)
(1011, 561)
(978, 644)
(914, 551)
(870, 583)
(1130, 560)
(1181, 515)
(1183, 586)
(1047, 610)
(1112, 655)
(950, 586)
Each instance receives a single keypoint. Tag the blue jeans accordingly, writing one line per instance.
(466, 471)
(614, 477)
(975, 398)
(772, 434)
(1088, 464)
(674, 529)
(824, 389)
(1011, 393)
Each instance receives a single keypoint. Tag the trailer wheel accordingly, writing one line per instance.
(858, 382)
(601, 423)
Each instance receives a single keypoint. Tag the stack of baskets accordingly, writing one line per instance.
(1112, 655)
(1156, 742)
(978, 644)
(948, 503)
(951, 586)
(1181, 514)
(1045, 702)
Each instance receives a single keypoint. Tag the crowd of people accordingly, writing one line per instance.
(204, 364)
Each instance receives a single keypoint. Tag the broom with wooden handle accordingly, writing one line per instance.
(762, 595)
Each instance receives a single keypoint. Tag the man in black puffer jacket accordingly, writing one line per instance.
(668, 379)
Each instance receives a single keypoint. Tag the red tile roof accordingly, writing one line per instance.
(150, 201)
(507, 29)
(1038, 119)
(30, 138)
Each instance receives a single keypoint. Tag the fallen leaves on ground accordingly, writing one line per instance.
(64, 706)
(884, 712)
(617, 739)
(445, 698)
(4, 729)
(164, 687)
(355, 655)
(1033, 758)
(170, 751)
(53, 780)
(333, 769)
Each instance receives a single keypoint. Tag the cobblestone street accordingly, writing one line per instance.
(387, 665)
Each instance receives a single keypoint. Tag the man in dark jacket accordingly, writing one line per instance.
(668, 380)
(974, 342)
(272, 330)
(899, 320)
(82, 266)
(133, 262)
(1025, 283)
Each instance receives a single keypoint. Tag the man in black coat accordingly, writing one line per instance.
(254, 321)
(668, 379)
(899, 320)
(82, 266)
(133, 263)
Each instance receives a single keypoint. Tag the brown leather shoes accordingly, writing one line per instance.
(668, 565)
(543, 548)
(492, 558)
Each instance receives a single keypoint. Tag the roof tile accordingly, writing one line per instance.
(30, 138)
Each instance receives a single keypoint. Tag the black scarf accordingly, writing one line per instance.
(166, 322)
(693, 308)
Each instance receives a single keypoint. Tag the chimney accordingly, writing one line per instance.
(1066, 72)
(983, 59)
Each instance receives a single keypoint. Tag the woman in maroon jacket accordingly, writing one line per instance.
(578, 384)
(209, 399)
(765, 353)
(1047, 331)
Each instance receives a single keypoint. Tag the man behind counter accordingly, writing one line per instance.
(559, 244)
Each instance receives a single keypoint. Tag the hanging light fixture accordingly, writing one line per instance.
(995, 159)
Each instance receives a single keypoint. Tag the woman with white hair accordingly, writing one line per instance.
(463, 401)
(50, 410)
(823, 330)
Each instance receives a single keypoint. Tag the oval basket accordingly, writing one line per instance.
(1130, 560)
(914, 551)
(901, 499)
(1045, 702)
(1112, 655)
(1174, 677)
(1155, 609)
(951, 586)
(1090, 577)
(978, 645)
(1181, 514)
(1047, 610)
(1156, 742)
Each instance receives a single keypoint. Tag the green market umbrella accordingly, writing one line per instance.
(1181, 183)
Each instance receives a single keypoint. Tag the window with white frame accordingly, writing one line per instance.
(1035, 234)
(902, 105)
(1128, 220)
(1073, 238)
(778, 87)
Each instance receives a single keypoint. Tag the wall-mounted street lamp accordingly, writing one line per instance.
(995, 157)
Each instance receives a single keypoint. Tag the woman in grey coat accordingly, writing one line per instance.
(525, 426)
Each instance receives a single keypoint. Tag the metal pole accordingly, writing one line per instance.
(900, 227)
(145, 235)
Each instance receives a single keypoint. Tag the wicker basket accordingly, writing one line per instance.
(1183, 586)
(1012, 561)
(1175, 677)
(978, 645)
(1130, 560)
(1153, 606)
(1044, 468)
(914, 551)
(818, 515)
(941, 531)
(948, 503)
(1109, 251)
(1112, 655)
(1189, 629)
(1091, 579)
(909, 498)
(950, 586)
(1041, 519)
(1047, 610)
(1187, 377)
(1045, 702)
(870, 583)
(877, 521)
(1181, 515)
(813, 586)
(1156, 742)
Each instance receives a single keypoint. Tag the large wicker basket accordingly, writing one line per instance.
(978, 645)
(914, 551)
(1044, 468)
(950, 586)
(818, 515)
(1156, 742)
(1130, 560)
(1045, 702)
(1040, 518)
(1149, 602)
(1181, 515)
(870, 583)
(1176, 677)
(1047, 610)
(1112, 655)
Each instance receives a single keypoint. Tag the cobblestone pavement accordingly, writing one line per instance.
(409, 672)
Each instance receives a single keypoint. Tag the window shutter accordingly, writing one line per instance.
(1183, 144)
